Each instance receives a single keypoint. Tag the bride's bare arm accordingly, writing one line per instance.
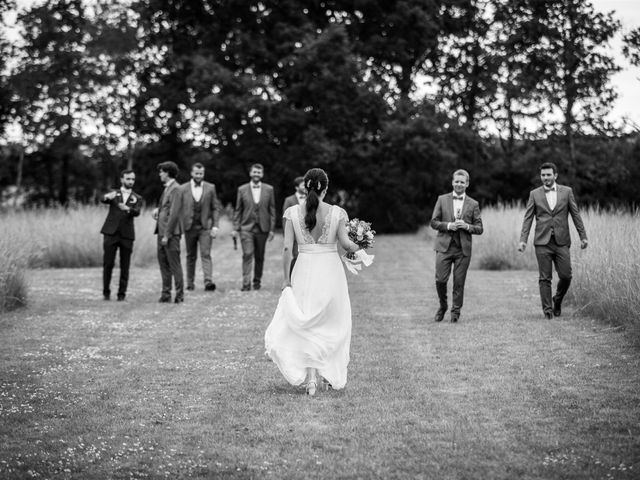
(287, 252)
(343, 238)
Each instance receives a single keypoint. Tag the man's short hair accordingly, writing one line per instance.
(297, 181)
(169, 167)
(550, 165)
(126, 171)
(197, 165)
(258, 166)
(462, 172)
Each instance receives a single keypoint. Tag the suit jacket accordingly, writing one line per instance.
(118, 221)
(554, 221)
(210, 212)
(443, 214)
(290, 201)
(243, 219)
(168, 223)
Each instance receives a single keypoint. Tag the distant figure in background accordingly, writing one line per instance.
(297, 198)
(254, 219)
(199, 217)
(168, 230)
(456, 217)
(124, 205)
(551, 204)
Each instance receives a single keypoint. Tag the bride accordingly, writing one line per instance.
(310, 333)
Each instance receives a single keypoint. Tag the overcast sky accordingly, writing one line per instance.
(627, 82)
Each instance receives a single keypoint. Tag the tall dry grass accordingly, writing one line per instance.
(70, 238)
(606, 276)
(13, 286)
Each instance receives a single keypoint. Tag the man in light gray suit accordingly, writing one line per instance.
(199, 217)
(551, 204)
(456, 217)
(168, 230)
(254, 220)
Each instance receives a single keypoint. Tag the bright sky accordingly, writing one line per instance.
(626, 82)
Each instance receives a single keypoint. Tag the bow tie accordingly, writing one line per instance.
(255, 186)
(456, 197)
(552, 189)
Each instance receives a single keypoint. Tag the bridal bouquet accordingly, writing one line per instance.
(361, 234)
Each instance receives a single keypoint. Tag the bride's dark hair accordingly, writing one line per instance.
(315, 181)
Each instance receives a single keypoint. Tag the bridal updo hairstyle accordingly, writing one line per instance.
(315, 181)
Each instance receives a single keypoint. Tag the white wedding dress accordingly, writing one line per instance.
(311, 326)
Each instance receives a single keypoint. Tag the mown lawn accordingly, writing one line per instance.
(95, 389)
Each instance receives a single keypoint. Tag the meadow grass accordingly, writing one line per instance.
(606, 275)
(13, 285)
(138, 389)
(70, 238)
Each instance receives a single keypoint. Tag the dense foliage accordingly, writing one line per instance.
(97, 86)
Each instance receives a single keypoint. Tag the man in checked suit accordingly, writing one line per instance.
(124, 206)
(169, 230)
(199, 216)
(254, 219)
(551, 204)
(456, 217)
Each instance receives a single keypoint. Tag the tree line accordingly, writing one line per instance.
(388, 97)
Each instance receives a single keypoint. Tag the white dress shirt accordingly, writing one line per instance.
(457, 205)
(552, 195)
(301, 198)
(196, 191)
(126, 193)
(256, 191)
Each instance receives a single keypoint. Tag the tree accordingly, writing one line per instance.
(56, 80)
(568, 64)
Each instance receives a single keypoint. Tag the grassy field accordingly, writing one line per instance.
(606, 276)
(94, 389)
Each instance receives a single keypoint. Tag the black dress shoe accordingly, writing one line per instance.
(106, 296)
(165, 300)
(256, 286)
(548, 315)
(455, 317)
(245, 288)
(557, 308)
(190, 287)
(121, 298)
(178, 300)
(210, 287)
(440, 314)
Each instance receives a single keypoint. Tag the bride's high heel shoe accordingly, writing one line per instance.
(311, 388)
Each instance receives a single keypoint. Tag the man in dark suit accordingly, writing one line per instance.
(297, 198)
(551, 204)
(456, 217)
(168, 230)
(124, 205)
(199, 212)
(254, 219)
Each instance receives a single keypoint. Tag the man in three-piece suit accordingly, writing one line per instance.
(169, 230)
(297, 198)
(456, 217)
(124, 205)
(199, 212)
(254, 219)
(551, 204)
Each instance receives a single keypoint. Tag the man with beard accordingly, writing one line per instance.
(124, 206)
(254, 220)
